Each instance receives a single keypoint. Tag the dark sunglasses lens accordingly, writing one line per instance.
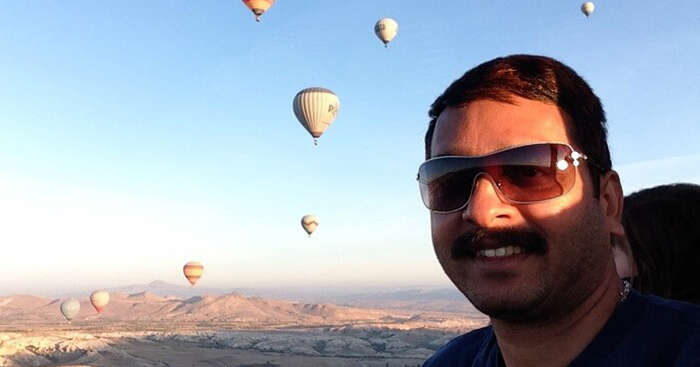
(525, 174)
(445, 183)
(447, 192)
(540, 172)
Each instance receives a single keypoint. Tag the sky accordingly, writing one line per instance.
(136, 136)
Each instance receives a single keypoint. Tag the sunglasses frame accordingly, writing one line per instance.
(576, 158)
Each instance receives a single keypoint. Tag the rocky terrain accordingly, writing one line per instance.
(146, 329)
(320, 347)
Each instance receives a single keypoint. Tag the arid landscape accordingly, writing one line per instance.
(152, 328)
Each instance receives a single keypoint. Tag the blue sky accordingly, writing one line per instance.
(136, 136)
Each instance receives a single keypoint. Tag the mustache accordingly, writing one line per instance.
(467, 244)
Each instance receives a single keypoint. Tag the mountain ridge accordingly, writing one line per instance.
(231, 309)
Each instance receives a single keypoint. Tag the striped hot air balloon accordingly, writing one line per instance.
(316, 108)
(99, 300)
(70, 308)
(309, 222)
(258, 7)
(386, 29)
(193, 271)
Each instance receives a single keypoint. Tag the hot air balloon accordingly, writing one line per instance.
(99, 300)
(386, 29)
(587, 8)
(258, 7)
(309, 222)
(193, 271)
(316, 109)
(70, 308)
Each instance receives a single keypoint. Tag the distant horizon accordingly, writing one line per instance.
(309, 290)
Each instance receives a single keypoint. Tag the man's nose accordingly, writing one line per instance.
(486, 208)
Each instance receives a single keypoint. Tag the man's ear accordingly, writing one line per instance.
(624, 260)
(611, 201)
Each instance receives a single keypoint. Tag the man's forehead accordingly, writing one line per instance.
(486, 126)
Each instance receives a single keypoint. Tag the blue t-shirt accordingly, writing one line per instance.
(643, 331)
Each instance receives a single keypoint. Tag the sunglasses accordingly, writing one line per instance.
(522, 175)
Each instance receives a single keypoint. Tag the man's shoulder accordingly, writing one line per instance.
(681, 321)
(673, 313)
(669, 330)
(464, 349)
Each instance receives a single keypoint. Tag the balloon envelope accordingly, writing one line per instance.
(193, 271)
(316, 108)
(258, 7)
(386, 29)
(587, 8)
(309, 222)
(99, 300)
(70, 308)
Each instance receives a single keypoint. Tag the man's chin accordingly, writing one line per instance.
(508, 307)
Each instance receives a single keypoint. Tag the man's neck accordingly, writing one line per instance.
(557, 343)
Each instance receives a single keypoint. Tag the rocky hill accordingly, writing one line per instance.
(228, 310)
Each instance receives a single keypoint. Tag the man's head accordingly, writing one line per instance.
(540, 79)
(561, 227)
(663, 240)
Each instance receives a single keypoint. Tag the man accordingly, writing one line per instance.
(524, 206)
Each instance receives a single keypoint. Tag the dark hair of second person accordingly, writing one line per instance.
(662, 226)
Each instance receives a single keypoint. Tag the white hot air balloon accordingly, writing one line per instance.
(309, 222)
(99, 300)
(70, 308)
(587, 8)
(316, 108)
(386, 29)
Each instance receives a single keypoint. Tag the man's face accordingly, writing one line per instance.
(569, 232)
